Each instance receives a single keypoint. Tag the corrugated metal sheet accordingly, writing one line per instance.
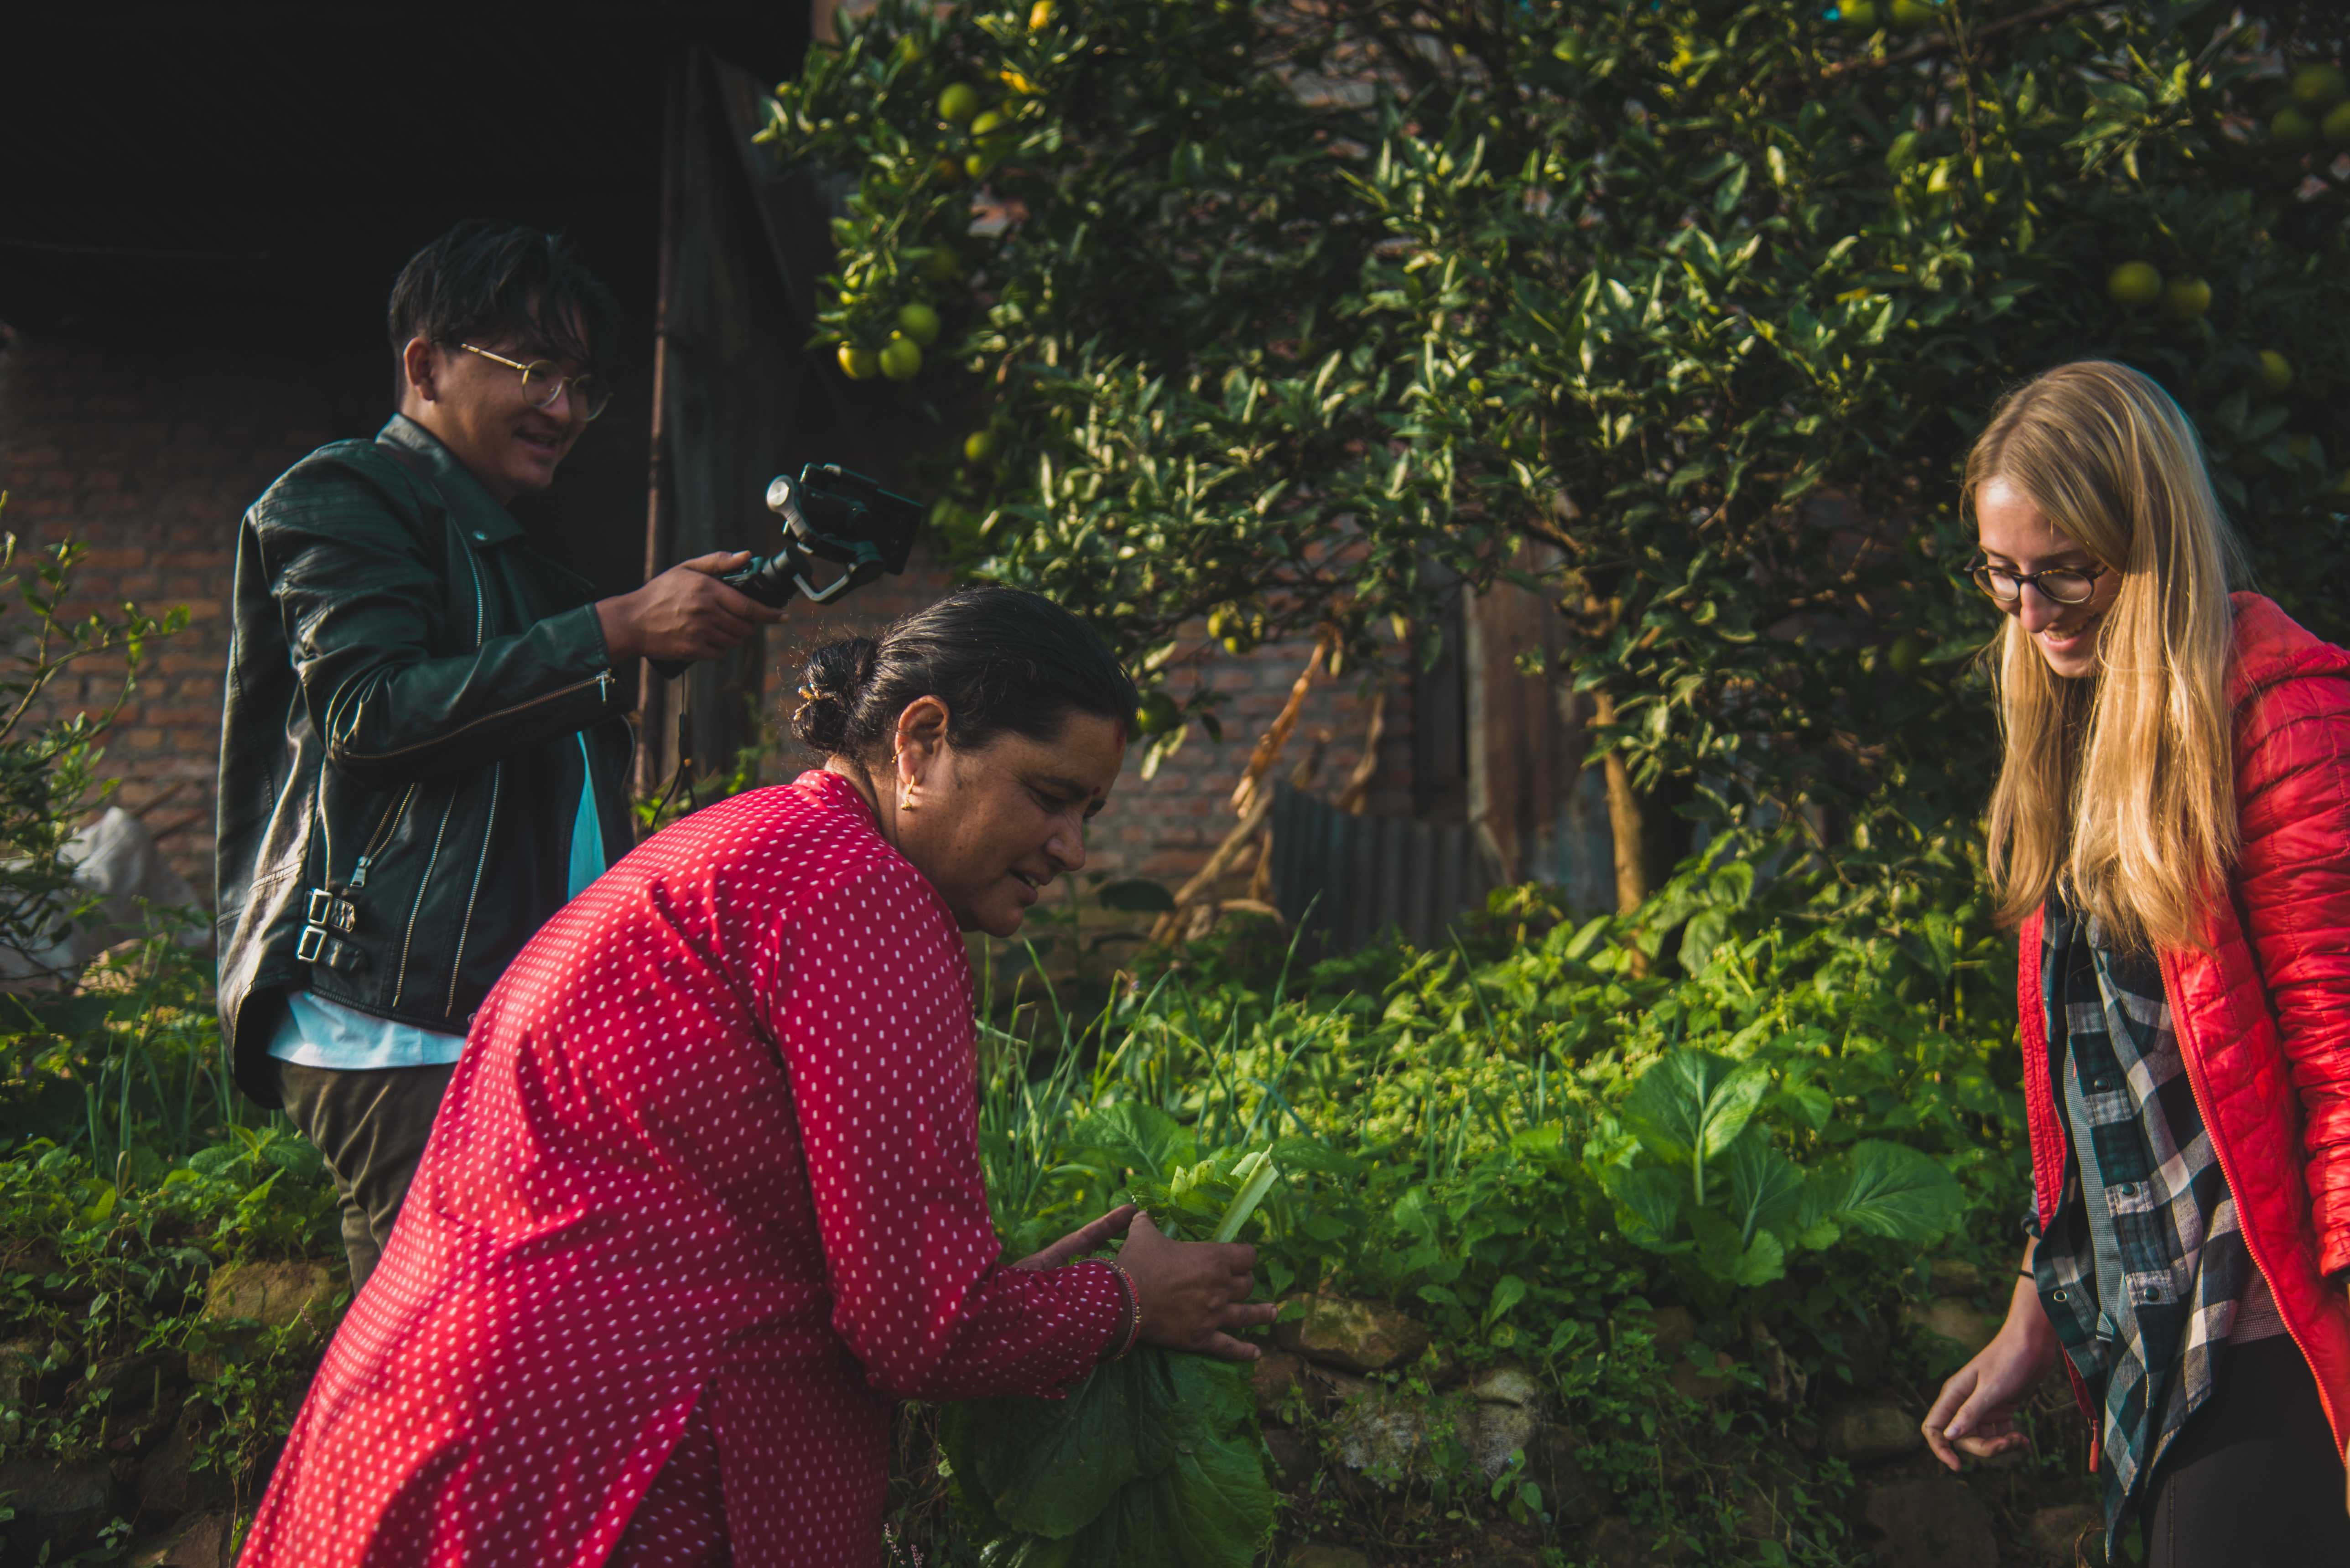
(1358, 876)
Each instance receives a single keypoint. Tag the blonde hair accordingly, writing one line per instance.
(2120, 789)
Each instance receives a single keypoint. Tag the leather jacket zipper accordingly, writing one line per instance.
(382, 835)
(489, 829)
(408, 939)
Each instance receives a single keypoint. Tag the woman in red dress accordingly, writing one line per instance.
(704, 1198)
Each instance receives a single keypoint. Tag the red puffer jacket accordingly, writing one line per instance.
(2263, 1016)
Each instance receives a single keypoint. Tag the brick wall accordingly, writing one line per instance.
(150, 458)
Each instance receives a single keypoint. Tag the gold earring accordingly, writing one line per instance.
(906, 799)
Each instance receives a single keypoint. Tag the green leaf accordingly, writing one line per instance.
(1508, 1291)
(1137, 1138)
(1692, 1103)
(1765, 1185)
(1259, 1173)
(1893, 1190)
(1151, 1461)
(1650, 1204)
(1763, 1261)
(1722, 1253)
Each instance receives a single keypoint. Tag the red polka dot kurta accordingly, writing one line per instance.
(706, 1185)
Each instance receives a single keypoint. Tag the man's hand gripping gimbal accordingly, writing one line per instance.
(828, 515)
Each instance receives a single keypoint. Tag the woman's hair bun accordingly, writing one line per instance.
(997, 660)
(831, 683)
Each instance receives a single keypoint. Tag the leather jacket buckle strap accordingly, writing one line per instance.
(317, 946)
(326, 912)
(325, 909)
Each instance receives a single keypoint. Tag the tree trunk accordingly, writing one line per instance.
(1650, 837)
(1626, 819)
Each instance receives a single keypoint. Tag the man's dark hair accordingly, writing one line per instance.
(484, 280)
(998, 658)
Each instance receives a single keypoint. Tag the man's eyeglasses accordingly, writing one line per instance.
(542, 383)
(2065, 585)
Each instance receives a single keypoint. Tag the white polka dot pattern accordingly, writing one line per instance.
(706, 1181)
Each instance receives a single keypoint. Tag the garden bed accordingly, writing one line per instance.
(1500, 1349)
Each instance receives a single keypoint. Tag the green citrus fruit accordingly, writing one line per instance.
(2335, 126)
(919, 322)
(1157, 713)
(2319, 87)
(2275, 372)
(1907, 653)
(942, 266)
(1858, 14)
(977, 165)
(2185, 299)
(958, 103)
(856, 363)
(2292, 129)
(977, 445)
(902, 358)
(2134, 283)
(1914, 14)
(1223, 620)
(988, 125)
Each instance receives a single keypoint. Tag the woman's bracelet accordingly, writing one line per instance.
(1133, 1309)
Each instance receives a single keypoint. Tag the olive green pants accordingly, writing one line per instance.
(371, 1124)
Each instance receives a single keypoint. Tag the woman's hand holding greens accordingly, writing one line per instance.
(1194, 1294)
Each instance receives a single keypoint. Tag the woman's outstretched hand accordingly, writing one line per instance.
(1194, 1294)
(1976, 1412)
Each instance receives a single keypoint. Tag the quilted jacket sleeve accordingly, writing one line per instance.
(2292, 790)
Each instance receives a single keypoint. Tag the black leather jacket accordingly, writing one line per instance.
(398, 768)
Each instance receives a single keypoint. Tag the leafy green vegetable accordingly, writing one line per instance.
(1259, 1171)
(1899, 1192)
(1692, 1105)
(1152, 1462)
(1137, 1138)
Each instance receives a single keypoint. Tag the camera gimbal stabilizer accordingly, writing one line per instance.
(830, 514)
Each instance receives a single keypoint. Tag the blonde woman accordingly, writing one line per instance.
(2171, 829)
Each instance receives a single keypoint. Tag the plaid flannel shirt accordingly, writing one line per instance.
(2146, 1357)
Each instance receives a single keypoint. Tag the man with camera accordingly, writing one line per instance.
(422, 747)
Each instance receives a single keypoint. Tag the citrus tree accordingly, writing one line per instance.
(1682, 313)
